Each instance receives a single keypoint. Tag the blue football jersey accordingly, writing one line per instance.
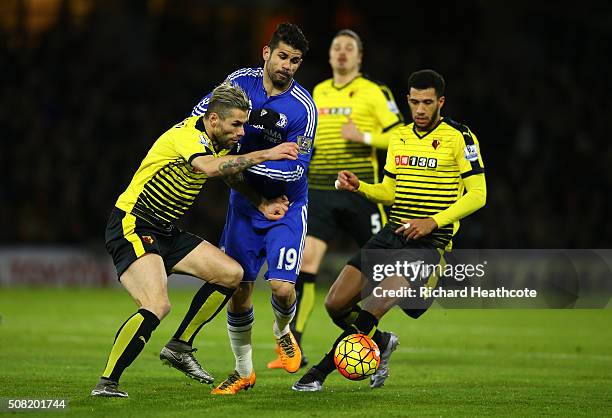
(298, 123)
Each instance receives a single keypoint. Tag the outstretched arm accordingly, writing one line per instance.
(232, 164)
(379, 193)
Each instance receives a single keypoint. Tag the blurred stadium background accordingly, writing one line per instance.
(87, 85)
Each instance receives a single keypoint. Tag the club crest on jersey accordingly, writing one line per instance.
(147, 239)
(304, 144)
(435, 144)
(282, 121)
(471, 153)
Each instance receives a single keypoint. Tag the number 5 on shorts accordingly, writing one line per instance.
(376, 224)
(287, 259)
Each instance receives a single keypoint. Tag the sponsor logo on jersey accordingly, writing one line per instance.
(415, 161)
(271, 135)
(346, 111)
(282, 121)
(304, 144)
(471, 153)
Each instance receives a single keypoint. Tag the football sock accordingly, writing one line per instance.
(349, 318)
(239, 325)
(346, 320)
(282, 317)
(365, 323)
(129, 342)
(305, 298)
(206, 304)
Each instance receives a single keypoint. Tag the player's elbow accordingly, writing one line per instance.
(388, 201)
(479, 197)
(207, 166)
(388, 197)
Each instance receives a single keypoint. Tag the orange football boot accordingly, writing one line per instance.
(234, 383)
(276, 363)
(289, 352)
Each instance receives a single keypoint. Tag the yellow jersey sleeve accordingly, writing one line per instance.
(383, 193)
(467, 155)
(471, 167)
(191, 143)
(390, 166)
(385, 108)
(387, 114)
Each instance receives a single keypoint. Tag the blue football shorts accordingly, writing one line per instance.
(251, 240)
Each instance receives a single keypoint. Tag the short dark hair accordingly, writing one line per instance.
(351, 34)
(424, 79)
(291, 35)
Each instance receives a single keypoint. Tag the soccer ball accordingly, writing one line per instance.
(357, 357)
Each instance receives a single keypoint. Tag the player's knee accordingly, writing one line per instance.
(160, 308)
(233, 275)
(284, 294)
(332, 306)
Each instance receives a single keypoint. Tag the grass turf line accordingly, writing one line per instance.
(53, 344)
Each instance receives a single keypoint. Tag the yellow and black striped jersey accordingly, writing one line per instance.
(166, 184)
(371, 107)
(429, 169)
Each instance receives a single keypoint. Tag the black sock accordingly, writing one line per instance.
(346, 320)
(349, 318)
(365, 324)
(206, 304)
(129, 342)
(304, 292)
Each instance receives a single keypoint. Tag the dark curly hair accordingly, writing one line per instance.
(291, 35)
(425, 79)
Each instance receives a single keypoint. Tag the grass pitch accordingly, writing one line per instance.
(54, 343)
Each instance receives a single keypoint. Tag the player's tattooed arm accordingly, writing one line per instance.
(232, 164)
(235, 165)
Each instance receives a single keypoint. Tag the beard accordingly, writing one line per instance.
(277, 81)
(435, 117)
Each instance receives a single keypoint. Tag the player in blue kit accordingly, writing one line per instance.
(282, 111)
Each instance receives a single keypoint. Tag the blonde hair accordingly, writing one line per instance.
(351, 34)
(227, 96)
